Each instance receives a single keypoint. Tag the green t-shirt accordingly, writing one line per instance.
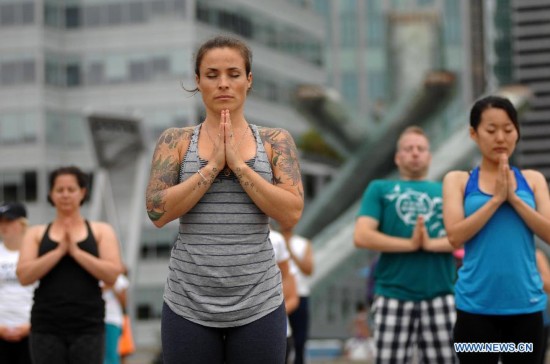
(395, 205)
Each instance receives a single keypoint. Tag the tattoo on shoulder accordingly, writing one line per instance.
(284, 154)
(172, 136)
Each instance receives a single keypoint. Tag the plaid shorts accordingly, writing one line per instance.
(402, 326)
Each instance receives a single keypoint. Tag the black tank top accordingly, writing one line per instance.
(68, 299)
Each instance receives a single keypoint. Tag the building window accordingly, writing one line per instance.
(160, 66)
(92, 16)
(52, 15)
(17, 72)
(73, 75)
(27, 13)
(18, 128)
(72, 17)
(114, 14)
(136, 12)
(158, 7)
(8, 73)
(96, 74)
(65, 131)
(18, 186)
(138, 71)
(28, 72)
(7, 14)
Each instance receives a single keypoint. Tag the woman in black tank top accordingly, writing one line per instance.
(68, 257)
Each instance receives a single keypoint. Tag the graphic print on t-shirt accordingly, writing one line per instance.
(7, 271)
(409, 204)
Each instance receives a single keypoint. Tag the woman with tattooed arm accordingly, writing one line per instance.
(224, 179)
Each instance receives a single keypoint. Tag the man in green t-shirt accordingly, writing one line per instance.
(402, 219)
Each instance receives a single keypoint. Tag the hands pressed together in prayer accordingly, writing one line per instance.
(226, 145)
(505, 185)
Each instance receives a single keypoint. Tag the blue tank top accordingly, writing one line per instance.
(499, 274)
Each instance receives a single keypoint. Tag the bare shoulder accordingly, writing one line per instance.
(36, 232)
(455, 181)
(274, 135)
(175, 138)
(101, 229)
(532, 175)
(456, 177)
(535, 179)
(277, 141)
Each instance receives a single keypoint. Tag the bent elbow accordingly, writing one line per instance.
(454, 241)
(360, 242)
(156, 217)
(158, 223)
(23, 278)
(110, 279)
(156, 220)
(288, 221)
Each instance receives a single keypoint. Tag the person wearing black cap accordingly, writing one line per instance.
(16, 300)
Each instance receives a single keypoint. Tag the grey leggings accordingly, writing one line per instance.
(262, 341)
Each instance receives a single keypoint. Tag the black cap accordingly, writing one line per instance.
(12, 210)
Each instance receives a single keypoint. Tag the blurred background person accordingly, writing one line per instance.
(415, 272)
(360, 345)
(290, 292)
(126, 344)
(15, 299)
(68, 256)
(544, 269)
(115, 302)
(301, 262)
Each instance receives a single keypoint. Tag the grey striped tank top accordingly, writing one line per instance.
(222, 270)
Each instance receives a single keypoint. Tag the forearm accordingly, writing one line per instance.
(291, 304)
(462, 231)
(168, 204)
(290, 293)
(439, 245)
(282, 205)
(104, 270)
(539, 224)
(381, 242)
(305, 265)
(31, 271)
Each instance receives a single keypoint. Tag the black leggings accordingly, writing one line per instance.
(67, 349)
(262, 341)
(299, 321)
(473, 328)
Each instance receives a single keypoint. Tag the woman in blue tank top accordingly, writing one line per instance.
(495, 211)
(223, 179)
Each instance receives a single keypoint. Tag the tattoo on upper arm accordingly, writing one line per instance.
(164, 174)
(164, 171)
(284, 156)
